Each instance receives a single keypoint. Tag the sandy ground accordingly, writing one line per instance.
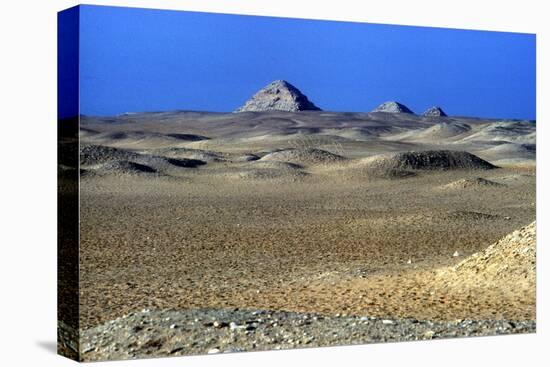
(335, 247)
(299, 232)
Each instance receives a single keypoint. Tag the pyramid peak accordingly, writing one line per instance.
(279, 95)
(281, 82)
(434, 111)
(393, 107)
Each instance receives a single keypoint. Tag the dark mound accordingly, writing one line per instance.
(188, 137)
(303, 156)
(119, 135)
(96, 154)
(182, 162)
(439, 160)
(188, 153)
(246, 158)
(128, 168)
(431, 160)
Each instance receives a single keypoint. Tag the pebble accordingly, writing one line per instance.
(429, 334)
(235, 326)
(177, 348)
(286, 329)
(89, 349)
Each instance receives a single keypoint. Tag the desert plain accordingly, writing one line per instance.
(198, 229)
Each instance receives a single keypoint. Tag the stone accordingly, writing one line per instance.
(235, 326)
(219, 324)
(429, 334)
(434, 111)
(279, 95)
(250, 327)
(393, 107)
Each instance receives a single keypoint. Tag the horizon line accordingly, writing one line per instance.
(278, 111)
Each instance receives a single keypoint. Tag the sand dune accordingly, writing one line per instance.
(226, 132)
(511, 131)
(511, 154)
(126, 167)
(438, 133)
(508, 153)
(444, 131)
(513, 149)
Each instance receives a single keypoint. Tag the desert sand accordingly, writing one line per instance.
(310, 212)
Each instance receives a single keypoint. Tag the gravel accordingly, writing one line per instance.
(187, 332)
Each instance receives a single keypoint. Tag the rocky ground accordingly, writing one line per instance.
(171, 333)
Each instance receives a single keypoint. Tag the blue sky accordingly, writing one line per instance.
(154, 60)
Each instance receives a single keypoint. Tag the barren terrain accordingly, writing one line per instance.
(320, 213)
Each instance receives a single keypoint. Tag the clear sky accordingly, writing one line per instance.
(135, 60)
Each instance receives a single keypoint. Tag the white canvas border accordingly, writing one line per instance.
(28, 192)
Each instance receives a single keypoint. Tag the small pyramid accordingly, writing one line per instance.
(279, 95)
(393, 107)
(434, 111)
